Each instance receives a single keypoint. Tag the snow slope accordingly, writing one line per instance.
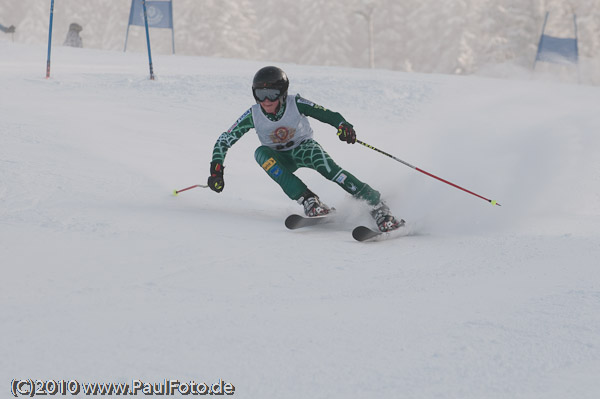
(108, 277)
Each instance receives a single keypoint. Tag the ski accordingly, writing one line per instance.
(363, 233)
(294, 221)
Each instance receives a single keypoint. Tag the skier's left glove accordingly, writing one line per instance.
(215, 180)
(346, 133)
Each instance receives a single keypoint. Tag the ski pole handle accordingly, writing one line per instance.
(175, 192)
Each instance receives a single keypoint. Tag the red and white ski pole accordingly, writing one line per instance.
(427, 173)
(175, 192)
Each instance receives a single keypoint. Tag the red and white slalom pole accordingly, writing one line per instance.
(427, 173)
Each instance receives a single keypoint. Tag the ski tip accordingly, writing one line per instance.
(356, 234)
(363, 233)
(295, 221)
(292, 221)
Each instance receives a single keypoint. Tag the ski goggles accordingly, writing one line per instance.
(262, 94)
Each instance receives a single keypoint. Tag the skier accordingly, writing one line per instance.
(286, 136)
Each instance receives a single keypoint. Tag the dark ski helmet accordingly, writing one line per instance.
(271, 82)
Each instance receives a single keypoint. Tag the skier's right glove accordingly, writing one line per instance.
(346, 133)
(215, 180)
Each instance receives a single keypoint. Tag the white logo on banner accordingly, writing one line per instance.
(155, 15)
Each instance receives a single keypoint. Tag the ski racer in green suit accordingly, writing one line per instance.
(283, 129)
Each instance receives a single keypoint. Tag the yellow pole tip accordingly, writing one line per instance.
(174, 192)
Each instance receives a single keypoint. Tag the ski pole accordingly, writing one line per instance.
(427, 173)
(175, 192)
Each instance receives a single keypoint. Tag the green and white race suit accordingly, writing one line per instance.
(287, 144)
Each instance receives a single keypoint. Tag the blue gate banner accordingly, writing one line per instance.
(160, 13)
(557, 50)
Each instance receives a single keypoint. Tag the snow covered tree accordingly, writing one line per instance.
(394, 22)
(325, 34)
(280, 30)
(223, 28)
(315, 32)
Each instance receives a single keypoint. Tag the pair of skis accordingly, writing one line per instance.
(360, 233)
(293, 222)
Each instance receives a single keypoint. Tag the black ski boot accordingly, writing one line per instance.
(312, 205)
(384, 218)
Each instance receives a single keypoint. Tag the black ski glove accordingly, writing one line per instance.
(346, 133)
(215, 180)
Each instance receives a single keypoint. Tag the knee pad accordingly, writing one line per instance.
(263, 153)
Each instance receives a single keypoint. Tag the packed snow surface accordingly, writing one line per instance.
(109, 277)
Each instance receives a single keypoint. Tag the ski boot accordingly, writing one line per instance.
(385, 220)
(312, 205)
